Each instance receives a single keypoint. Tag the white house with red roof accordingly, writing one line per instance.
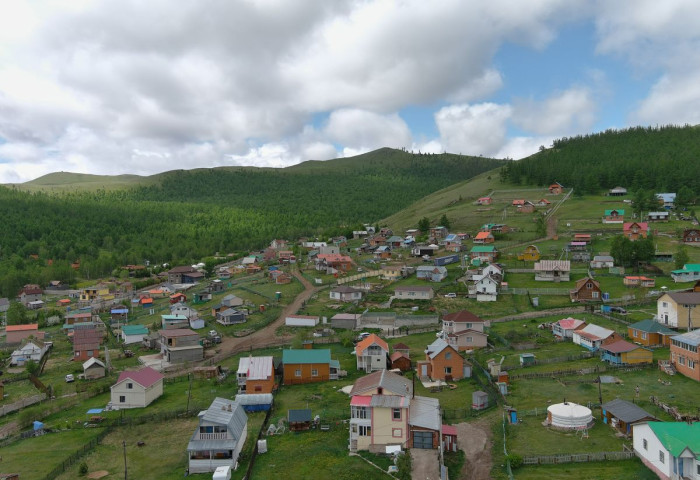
(565, 327)
(136, 389)
(371, 354)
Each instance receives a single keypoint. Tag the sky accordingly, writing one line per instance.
(136, 87)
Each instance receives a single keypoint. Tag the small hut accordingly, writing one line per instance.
(480, 400)
(299, 419)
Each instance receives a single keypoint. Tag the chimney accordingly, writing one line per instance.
(229, 407)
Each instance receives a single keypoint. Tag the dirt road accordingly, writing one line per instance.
(474, 439)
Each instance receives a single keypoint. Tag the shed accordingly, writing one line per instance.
(621, 415)
(212, 371)
(299, 419)
(93, 368)
(480, 400)
(449, 438)
(527, 359)
(255, 402)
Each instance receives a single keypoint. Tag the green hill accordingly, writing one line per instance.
(67, 181)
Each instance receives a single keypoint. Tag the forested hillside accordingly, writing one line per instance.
(191, 214)
(642, 158)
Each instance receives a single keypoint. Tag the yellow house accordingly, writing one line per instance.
(391, 272)
(93, 293)
(531, 254)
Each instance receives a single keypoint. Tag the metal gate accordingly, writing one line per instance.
(422, 439)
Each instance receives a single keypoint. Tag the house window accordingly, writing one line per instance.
(691, 364)
(129, 386)
(448, 370)
(396, 432)
(359, 412)
(448, 355)
(644, 335)
(634, 333)
(365, 430)
(469, 339)
(297, 372)
(77, 354)
(258, 388)
(314, 372)
(122, 399)
(396, 413)
(664, 304)
(681, 360)
(645, 444)
(589, 286)
(594, 294)
(662, 458)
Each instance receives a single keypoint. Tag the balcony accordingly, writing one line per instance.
(213, 436)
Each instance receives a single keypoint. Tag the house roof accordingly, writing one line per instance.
(429, 268)
(182, 269)
(299, 415)
(483, 235)
(677, 436)
(641, 278)
(621, 346)
(666, 197)
(134, 330)
(92, 361)
(595, 332)
(658, 214)
(642, 225)
(425, 413)
(401, 346)
(174, 318)
(570, 323)
(390, 401)
(345, 289)
(582, 281)
(468, 331)
(483, 249)
(177, 332)
(291, 356)
(144, 377)
(415, 288)
(603, 258)
(618, 189)
(691, 338)
(86, 339)
(396, 355)
(650, 326)
(685, 298)
(221, 412)
(255, 368)
(518, 202)
(382, 378)
(369, 341)
(626, 411)
(462, 316)
(450, 430)
(551, 265)
(434, 349)
(22, 328)
(619, 211)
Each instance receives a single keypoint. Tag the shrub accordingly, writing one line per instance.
(404, 465)
(515, 460)
(83, 469)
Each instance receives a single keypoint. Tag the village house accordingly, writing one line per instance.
(345, 293)
(218, 438)
(14, 334)
(617, 192)
(463, 320)
(666, 200)
(96, 292)
(414, 293)
(685, 354)
(371, 354)
(669, 449)
(86, 343)
(29, 293)
(255, 375)
(93, 368)
(133, 333)
(485, 289)
(593, 337)
(635, 230)
(552, 270)
(676, 310)
(467, 340)
(623, 415)
(183, 310)
(184, 274)
(383, 252)
(430, 273)
(556, 188)
(308, 366)
(658, 216)
(301, 320)
(172, 322)
(400, 361)
(347, 321)
(639, 281)
(391, 272)
(330, 263)
(691, 236)
(484, 201)
(136, 389)
(453, 243)
(622, 352)
(231, 316)
(586, 290)
(689, 273)
(614, 216)
(443, 362)
(492, 270)
(384, 412)
(31, 349)
(542, 202)
(484, 238)
(178, 297)
(180, 345)
(602, 261)
(438, 232)
(650, 333)
(483, 253)
(526, 207)
(530, 254)
(565, 328)
(518, 202)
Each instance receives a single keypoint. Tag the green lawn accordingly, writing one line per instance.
(632, 469)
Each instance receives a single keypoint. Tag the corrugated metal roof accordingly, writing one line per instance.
(219, 413)
(389, 381)
(254, 398)
(425, 413)
(255, 368)
(436, 347)
(306, 356)
(144, 377)
(626, 411)
(299, 415)
(551, 265)
(597, 331)
(390, 401)
(691, 338)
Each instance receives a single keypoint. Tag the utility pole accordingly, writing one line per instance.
(690, 323)
(124, 445)
(189, 394)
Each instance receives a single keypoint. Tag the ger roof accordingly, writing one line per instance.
(389, 381)
(144, 377)
(650, 326)
(371, 340)
(255, 368)
(677, 436)
(306, 356)
(626, 411)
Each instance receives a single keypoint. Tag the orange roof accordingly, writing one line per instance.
(483, 235)
(371, 339)
(22, 328)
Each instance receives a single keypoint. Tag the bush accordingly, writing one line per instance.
(515, 460)
(83, 469)
(404, 465)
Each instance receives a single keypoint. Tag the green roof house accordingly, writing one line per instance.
(650, 333)
(689, 273)
(614, 216)
(308, 366)
(133, 333)
(485, 253)
(669, 449)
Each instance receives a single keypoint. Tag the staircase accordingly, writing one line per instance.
(667, 367)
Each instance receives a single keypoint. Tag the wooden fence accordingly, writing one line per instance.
(78, 454)
(25, 402)
(577, 458)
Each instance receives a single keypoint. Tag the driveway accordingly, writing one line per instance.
(424, 465)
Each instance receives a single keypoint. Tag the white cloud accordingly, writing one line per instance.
(363, 130)
(473, 129)
(564, 113)
(674, 99)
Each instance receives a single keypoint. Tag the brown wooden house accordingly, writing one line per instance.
(556, 188)
(586, 290)
(691, 236)
(401, 361)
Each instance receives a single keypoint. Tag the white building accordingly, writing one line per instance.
(136, 389)
(32, 350)
(670, 449)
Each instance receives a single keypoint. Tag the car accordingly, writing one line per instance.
(619, 310)
(451, 295)
(70, 378)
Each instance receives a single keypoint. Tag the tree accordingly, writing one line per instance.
(444, 221)
(680, 258)
(16, 314)
(685, 197)
(621, 250)
(32, 367)
(424, 224)
(540, 225)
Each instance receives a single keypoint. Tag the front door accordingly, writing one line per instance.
(424, 370)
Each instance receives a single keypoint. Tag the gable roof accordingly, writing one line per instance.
(401, 346)
(291, 356)
(685, 298)
(595, 332)
(603, 258)
(86, 339)
(691, 338)
(582, 281)
(369, 341)
(483, 235)
(650, 326)
(642, 225)
(382, 378)
(677, 436)
(626, 411)
(22, 328)
(483, 249)
(618, 211)
(570, 323)
(134, 330)
(92, 361)
(621, 346)
(144, 377)
(425, 413)
(435, 348)
(256, 368)
(222, 412)
(177, 332)
(396, 355)
(551, 265)
(462, 316)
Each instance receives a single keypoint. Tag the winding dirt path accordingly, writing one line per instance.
(474, 439)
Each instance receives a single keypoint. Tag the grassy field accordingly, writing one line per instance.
(623, 470)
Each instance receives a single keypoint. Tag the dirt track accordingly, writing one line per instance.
(475, 440)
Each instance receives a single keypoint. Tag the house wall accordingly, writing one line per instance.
(13, 338)
(129, 339)
(477, 341)
(436, 436)
(640, 355)
(137, 397)
(651, 340)
(385, 430)
(290, 378)
(650, 455)
(440, 362)
(93, 372)
(586, 293)
(187, 355)
(83, 355)
(551, 277)
(260, 386)
(414, 295)
(693, 373)
(204, 466)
